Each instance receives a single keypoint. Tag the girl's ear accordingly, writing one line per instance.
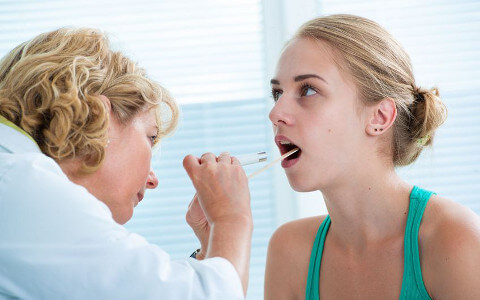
(381, 118)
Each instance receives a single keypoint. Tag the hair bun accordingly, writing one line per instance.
(420, 94)
(428, 113)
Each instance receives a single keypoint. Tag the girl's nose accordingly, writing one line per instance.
(152, 180)
(281, 113)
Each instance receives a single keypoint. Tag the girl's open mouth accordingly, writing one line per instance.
(285, 146)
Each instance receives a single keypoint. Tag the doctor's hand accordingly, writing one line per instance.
(222, 187)
(224, 198)
(196, 219)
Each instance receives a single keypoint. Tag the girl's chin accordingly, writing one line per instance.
(304, 189)
(301, 186)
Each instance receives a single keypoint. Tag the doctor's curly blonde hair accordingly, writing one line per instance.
(51, 87)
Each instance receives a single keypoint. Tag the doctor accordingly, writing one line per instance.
(77, 125)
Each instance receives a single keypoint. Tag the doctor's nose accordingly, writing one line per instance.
(152, 180)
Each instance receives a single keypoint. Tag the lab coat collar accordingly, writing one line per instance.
(16, 142)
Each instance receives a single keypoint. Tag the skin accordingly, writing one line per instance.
(126, 172)
(220, 212)
(346, 155)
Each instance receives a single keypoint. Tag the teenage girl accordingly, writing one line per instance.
(345, 95)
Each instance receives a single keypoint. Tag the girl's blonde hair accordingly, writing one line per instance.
(51, 85)
(381, 69)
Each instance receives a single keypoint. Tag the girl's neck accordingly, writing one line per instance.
(368, 210)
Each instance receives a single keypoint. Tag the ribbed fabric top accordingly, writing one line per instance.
(413, 287)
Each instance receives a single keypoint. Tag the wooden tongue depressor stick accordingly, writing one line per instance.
(272, 163)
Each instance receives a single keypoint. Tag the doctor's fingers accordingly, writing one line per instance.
(208, 157)
(190, 163)
(224, 157)
(201, 169)
(235, 161)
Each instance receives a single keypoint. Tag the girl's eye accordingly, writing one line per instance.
(276, 94)
(308, 91)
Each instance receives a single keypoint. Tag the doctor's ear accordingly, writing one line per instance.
(106, 102)
(381, 117)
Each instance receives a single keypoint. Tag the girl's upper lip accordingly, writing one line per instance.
(281, 138)
(282, 147)
(140, 197)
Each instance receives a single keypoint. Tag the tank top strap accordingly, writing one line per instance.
(412, 284)
(313, 279)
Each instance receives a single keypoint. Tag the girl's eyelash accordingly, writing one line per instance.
(276, 94)
(306, 86)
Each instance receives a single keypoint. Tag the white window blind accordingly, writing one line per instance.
(209, 54)
(201, 50)
(443, 40)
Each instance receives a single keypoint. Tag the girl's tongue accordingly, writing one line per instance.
(286, 147)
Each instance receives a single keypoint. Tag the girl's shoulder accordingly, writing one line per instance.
(450, 249)
(288, 258)
(300, 233)
(445, 221)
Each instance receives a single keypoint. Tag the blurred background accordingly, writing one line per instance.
(217, 57)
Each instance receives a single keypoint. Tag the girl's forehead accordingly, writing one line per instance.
(314, 55)
(307, 56)
(310, 48)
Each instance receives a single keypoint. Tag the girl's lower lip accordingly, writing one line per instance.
(287, 163)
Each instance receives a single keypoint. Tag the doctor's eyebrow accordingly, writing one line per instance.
(274, 81)
(300, 78)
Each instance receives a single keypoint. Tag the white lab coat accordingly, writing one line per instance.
(57, 241)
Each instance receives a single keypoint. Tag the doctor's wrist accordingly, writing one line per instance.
(198, 254)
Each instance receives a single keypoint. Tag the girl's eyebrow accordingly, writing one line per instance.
(306, 76)
(299, 78)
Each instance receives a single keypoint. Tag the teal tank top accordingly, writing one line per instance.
(412, 283)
